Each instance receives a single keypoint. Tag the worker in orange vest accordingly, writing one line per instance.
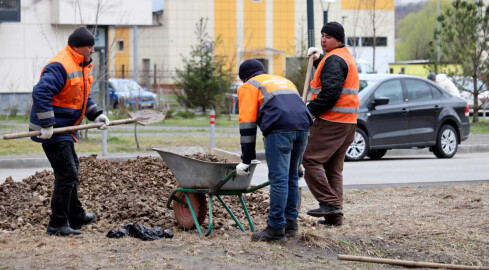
(334, 103)
(61, 98)
(273, 104)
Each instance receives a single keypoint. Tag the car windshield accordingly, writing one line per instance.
(365, 85)
(126, 86)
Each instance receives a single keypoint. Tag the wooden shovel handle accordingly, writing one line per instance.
(407, 263)
(308, 78)
(69, 129)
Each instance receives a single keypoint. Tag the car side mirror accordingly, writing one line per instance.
(381, 101)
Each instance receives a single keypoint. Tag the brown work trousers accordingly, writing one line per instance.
(323, 160)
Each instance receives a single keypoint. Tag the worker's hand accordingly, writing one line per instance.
(243, 169)
(46, 133)
(102, 118)
(301, 171)
(315, 52)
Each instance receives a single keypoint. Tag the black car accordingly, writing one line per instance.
(400, 111)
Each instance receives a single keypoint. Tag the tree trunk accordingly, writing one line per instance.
(475, 115)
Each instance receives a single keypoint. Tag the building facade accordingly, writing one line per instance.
(33, 31)
(273, 31)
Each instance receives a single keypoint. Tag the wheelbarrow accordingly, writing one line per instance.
(197, 178)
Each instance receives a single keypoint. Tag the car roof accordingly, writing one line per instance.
(384, 76)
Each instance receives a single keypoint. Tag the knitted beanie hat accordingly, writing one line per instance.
(81, 37)
(250, 68)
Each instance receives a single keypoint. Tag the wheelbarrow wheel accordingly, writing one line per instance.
(182, 211)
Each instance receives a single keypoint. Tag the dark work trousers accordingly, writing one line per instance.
(323, 160)
(64, 203)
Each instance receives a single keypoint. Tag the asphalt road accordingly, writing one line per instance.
(391, 170)
(394, 170)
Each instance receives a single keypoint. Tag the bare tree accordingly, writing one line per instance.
(376, 21)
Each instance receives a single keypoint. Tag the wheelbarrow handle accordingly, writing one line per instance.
(221, 183)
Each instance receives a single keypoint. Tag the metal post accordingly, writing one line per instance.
(213, 127)
(104, 143)
(136, 57)
(310, 23)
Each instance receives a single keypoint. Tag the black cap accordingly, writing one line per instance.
(81, 37)
(432, 76)
(250, 68)
(335, 30)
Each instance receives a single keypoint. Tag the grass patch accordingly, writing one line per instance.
(117, 144)
(482, 126)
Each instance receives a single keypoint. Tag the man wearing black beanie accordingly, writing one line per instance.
(334, 103)
(273, 104)
(61, 98)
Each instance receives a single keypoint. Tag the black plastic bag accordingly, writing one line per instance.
(141, 232)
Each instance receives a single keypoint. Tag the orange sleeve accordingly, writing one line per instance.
(248, 97)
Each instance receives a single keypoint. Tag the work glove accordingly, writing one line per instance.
(102, 118)
(301, 171)
(315, 52)
(243, 169)
(46, 133)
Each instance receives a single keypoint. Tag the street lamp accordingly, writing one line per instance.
(325, 11)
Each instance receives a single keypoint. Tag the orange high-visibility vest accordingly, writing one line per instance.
(346, 108)
(76, 90)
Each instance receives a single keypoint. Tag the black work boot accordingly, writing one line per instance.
(87, 219)
(324, 210)
(62, 231)
(269, 234)
(291, 228)
(333, 221)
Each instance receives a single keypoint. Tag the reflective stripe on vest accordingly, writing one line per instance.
(76, 90)
(346, 108)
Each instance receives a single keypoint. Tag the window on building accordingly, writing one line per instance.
(353, 41)
(293, 66)
(9, 10)
(369, 41)
(120, 45)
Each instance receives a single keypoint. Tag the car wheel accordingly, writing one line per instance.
(446, 142)
(359, 147)
(377, 154)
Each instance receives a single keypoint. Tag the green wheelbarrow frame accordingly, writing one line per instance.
(215, 190)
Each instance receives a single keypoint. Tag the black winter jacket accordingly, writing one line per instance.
(333, 75)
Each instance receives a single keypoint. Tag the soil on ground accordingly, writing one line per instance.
(444, 225)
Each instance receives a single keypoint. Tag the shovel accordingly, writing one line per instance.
(143, 117)
(304, 98)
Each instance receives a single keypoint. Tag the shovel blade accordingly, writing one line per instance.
(146, 117)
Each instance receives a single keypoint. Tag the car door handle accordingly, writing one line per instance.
(437, 108)
(404, 110)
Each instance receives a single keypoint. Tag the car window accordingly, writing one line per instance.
(126, 86)
(436, 92)
(418, 90)
(391, 89)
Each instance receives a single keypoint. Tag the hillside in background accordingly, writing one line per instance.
(403, 10)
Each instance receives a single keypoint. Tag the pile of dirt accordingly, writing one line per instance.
(208, 157)
(118, 192)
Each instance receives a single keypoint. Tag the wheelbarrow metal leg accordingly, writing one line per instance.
(209, 230)
(230, 213)
(252, 228)
(197, 225)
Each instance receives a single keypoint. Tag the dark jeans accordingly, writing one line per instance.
(324, 158)
(284, 152)
(64, 203)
